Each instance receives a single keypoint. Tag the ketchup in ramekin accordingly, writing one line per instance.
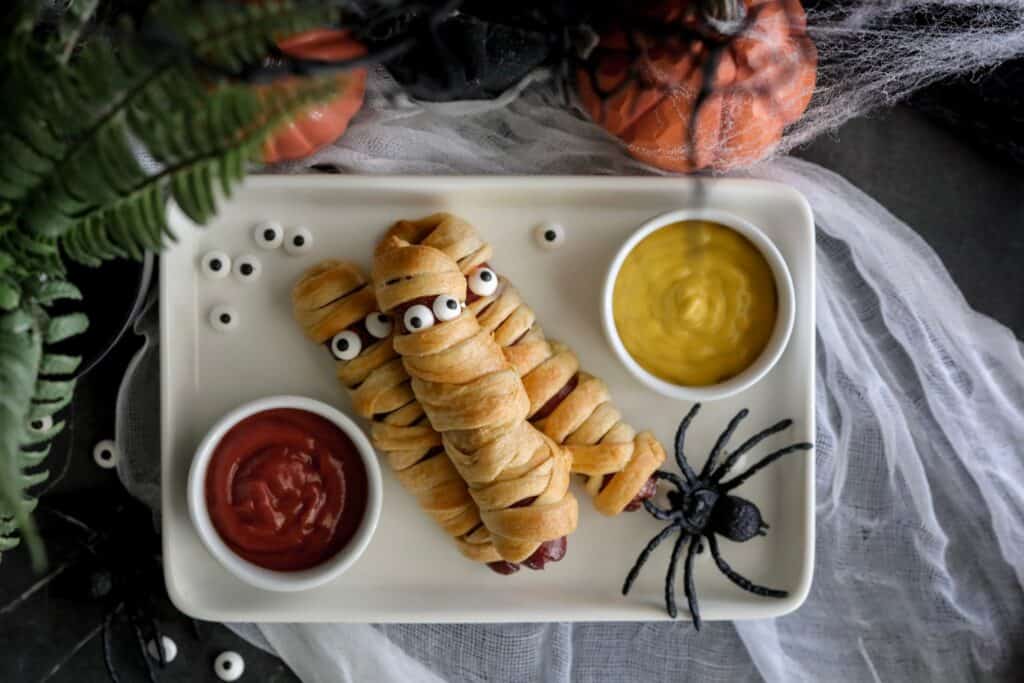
(286, 489)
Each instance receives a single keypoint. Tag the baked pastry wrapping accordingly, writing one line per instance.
(474, 397)
(334, 305)
(569, 405)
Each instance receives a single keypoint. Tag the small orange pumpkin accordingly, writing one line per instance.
(321, 124)
(763, 82)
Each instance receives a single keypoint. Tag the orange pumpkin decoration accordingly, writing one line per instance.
(762, 82)
(321, 124)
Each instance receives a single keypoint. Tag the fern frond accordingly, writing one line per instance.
(32, 458)
(220, 36)
(206, 155)
(21, 347)
(36, 387)
(95, 138)
(72, 146)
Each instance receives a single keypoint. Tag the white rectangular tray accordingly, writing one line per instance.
(411, 571)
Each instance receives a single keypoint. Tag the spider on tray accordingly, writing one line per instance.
(701, 507)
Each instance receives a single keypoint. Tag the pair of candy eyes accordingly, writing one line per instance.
(271, 235)
(217, 264)
(347, 344)
(421, 317)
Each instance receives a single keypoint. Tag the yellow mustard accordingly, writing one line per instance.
(695, 303)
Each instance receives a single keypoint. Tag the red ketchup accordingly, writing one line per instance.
(286, 489)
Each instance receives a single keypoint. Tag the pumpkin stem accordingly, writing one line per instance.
(724, 11)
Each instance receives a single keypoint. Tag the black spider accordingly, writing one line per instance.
(701, 507)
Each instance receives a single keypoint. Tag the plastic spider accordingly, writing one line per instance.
(701, 507)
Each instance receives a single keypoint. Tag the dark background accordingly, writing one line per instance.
(947, 171)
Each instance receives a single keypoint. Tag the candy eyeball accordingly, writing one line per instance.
(106, 454)
(378, 325)
(41, 425)
(298, 241)
(549, 235)
(268, 234)
(229, 666)
(247, 268)
(346, 345)
(418, 318)
(483, 281)
(216, 264)
(223, 318)
(169, 646)
(446, 308)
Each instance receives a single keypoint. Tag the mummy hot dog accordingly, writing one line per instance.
(334, 306)
(569, 405)
(473, 396)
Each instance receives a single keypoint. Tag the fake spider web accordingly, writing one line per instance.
(873, 54)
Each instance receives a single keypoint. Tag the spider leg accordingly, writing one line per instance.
(674, 478)
(133, 617)
(724, 468)
(761, 464)
(644, 554)
(670, 577)
(723, 438)
(691, 591)
(688, 472)
(108, 650)
(741, 581)
(158, 639)
(657, 512)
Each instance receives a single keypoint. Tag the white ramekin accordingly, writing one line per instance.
(783, 321)
(261, 577)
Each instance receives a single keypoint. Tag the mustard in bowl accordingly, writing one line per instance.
(698, 304)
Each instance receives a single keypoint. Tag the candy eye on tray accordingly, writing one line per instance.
(503, 376)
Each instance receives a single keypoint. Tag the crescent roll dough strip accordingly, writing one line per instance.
(569, 405)
(334, 296)
(518, 476)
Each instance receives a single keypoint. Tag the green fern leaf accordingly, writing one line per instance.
(62, 327)
(53, 390)
(32, 458)
(31, 393)
(223, 37)
(49, 291)
(33, 479)
(43, 436)
(58, 364)
(20, 352)
(43, 407)
(10, 294)
(236, 121)
(110, 96)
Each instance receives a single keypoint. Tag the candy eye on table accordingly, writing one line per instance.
(215, 265)
(298, 240)
(549, 235)
(268, 234)
(247, 268)
(223, 318)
